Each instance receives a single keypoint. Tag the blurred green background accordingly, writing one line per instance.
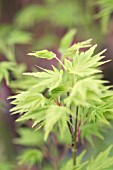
(27, 25)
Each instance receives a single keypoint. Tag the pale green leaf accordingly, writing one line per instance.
(85, 90)
(84, 64)
(67, 40)
(76, 47)
(50, 78)
(27, 100)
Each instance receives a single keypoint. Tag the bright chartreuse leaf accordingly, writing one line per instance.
(43, 54)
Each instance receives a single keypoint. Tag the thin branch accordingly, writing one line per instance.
(61, 63)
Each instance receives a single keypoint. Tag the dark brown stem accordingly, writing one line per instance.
(76, 122)
(70, 125)
(74, 141)
(73, 133)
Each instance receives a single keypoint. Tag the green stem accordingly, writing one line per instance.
(61, 64)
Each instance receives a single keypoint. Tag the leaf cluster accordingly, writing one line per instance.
(58, 94)
(76, 84)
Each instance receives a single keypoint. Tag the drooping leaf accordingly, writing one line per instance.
(56, 115)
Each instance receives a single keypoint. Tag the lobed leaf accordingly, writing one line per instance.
(50, 78)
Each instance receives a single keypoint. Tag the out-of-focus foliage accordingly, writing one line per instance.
(5, 67)
(36, 138)
(30, 157)
(102, 161)
(6, 165)
(9, 36)
(87, 130)
(32, 14)
(80, 14)
(106, 9)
